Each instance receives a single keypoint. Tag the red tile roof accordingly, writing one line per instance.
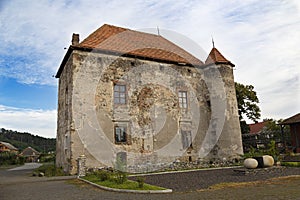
(292, 120)
(125, 41)
(257, 127)
(215, 57)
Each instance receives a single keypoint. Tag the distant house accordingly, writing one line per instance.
(294, 123)
(255, 137)
(7, 147)
(257, 128)
(30, 154)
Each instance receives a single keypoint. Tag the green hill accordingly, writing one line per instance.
(23, 140)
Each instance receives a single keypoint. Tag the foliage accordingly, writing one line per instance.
(141, 181)
(119, 177)
(50, 170)
(23, 140)
(253, 152)
(102, 175)
(274, 130)
(8, 158)
(271, 150)
(247, 102)
(245, 128)
(290, 164)
(46, 158)
(116, 176)
(128, 184)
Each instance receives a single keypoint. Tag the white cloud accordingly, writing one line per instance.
(36, 122)
(260, 37)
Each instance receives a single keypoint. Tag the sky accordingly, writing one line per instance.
(262, 38)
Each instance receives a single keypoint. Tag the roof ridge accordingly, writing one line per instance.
(135, 42)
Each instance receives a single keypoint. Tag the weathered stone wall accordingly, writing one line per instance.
(64, 115)
(229, 145)
(154, 120)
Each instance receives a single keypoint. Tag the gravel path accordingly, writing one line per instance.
(202, 179)
(18, 184)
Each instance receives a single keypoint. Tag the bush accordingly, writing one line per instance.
(115, 176)
(119, 177)
(46, 158)
(8, 158)
(141, 181)
(50, 170)
(102, 175)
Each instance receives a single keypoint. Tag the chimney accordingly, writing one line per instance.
(75, 39)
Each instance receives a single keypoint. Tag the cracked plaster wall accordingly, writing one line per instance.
(151, 114)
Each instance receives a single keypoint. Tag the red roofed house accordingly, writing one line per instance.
(256, 136)
(139, 97)
(258, 127)
(294, 123)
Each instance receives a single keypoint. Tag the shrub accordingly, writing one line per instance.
(119, 177)
(102, 175)
(8, 158)
(272, 150)
(50, 170)
(47, 158)
(141, 181)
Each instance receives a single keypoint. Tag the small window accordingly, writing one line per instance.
(120, 134)
(120, 94)
(182, 98)
(186, 137)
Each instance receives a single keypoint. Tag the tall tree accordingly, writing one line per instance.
(247, 104)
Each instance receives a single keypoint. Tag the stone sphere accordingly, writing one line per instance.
(268, 161)
(250, 163)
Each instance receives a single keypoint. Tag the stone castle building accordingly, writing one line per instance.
(137, 97)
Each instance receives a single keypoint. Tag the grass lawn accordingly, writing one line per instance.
(290, 164)
(128, 184)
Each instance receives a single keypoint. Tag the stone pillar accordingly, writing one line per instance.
(81, 168)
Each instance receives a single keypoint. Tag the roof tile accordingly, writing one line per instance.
(126, 41)
(215, 57)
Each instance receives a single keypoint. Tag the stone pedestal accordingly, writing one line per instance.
(81, 168)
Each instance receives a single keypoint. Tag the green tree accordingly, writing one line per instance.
(275, 131)
(247, 104)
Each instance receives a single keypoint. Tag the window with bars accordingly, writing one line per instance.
(120, 134)
(120, 94)
(182, 97)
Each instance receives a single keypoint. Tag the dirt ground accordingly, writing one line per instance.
(203, 179)
(20, 185)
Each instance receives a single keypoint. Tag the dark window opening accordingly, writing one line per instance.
(120, 134)
(208, 103)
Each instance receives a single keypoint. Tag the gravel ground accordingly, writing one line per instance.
(20, 185)
(203, 179)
